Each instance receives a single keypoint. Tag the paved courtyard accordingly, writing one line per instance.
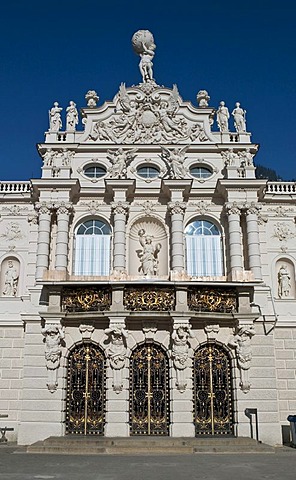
(17, 465)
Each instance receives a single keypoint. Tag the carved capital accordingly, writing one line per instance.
(43, 208)
(63, 208)
(120, 208)
(252, 208)
(177, 208)
(233, 208)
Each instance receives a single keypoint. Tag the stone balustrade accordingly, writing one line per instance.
(281, 188)
(15, 187)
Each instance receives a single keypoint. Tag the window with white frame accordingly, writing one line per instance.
(92, 248)
(204, 252)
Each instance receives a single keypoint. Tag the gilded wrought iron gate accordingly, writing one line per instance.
(85, 391)
(212, 391)
(149, 391)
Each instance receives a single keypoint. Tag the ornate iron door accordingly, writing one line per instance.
(149, 392)
(86, 391)
(212, 391)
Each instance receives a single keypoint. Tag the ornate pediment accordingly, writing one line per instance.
(147, 114)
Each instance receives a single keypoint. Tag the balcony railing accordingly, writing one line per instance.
(15, 187)
(281, 188)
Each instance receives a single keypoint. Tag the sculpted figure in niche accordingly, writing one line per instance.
(72, 117)
(180, 353)
(239, 118)
(223, 117)
(148, 257)
(54, 335)
(176, 159)
(10, 280)
(120, 161)
(116, 352)
(241, 341)
(55, 121)
(284, 282)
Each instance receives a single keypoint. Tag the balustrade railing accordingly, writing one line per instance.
(15, 187)
(281, 188)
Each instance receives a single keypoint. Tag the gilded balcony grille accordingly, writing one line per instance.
(149, 299)
(89, 299)
(212, 300)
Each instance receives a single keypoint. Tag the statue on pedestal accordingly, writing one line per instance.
(143, 45)
(222, 117)
(284, 282)
(239, 118)
(10, 280)
(55, 121)
(72, 117)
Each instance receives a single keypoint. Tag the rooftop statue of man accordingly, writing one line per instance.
(143, 45)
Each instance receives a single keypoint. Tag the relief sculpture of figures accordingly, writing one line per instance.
(175, 159)
(54, 334)
(72, 117)
(55, 121)
(148, 257)
(180, 353)
(10, 280)
(284, 282)
(223, 117)
(239, 118)
(241, 342)
(116, 352)
(143, 45)
(120, 160)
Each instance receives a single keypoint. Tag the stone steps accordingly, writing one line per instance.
(93, 445)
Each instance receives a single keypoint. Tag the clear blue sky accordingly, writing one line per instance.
(57, 50)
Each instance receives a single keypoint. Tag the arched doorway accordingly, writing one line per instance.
(149, 391)
(213, 412)
(85, 408)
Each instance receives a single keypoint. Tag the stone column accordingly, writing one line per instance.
(120, 210)
(253, 241)
(42, 260)
(62, 242)
(235, 241)
(177, 236)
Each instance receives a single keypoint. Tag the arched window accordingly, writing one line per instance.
(204, 253)
(92, 248)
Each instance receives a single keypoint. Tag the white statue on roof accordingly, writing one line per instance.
(143, 45)
(55, 121)
(239, 118)
(222, 117)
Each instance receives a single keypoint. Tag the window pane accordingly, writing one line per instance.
(95, 171)
(200, 172)
(148, 171)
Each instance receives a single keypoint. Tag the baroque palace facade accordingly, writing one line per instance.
(147, 282)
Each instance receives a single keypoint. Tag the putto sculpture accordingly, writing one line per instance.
(143, 45)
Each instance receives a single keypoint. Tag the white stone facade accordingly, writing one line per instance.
(147, 162)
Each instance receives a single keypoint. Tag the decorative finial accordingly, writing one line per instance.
(143, 45)
(92, 98)
(203, 98)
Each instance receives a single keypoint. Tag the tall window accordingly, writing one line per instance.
(92, 248)
(204, 252)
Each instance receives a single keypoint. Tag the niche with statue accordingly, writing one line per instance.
(285, 272)
(148, 250)
(9, 277)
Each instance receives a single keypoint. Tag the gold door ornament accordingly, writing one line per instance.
(212, 391)
(149, 391)
(85, 409)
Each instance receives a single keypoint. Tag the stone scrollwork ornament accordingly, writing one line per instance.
(54, 335)
(241, 342)
(116, 352)
(180, 353)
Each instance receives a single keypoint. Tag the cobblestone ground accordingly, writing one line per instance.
(17, 465)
